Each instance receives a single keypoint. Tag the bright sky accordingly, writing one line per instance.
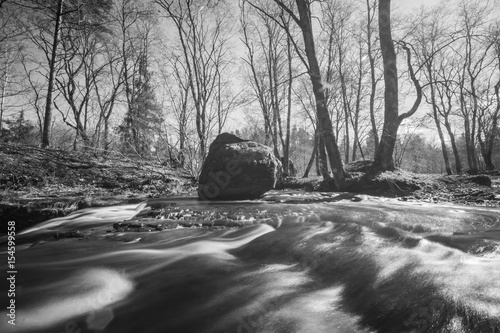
(413, 4)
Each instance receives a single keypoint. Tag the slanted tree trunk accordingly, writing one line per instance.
(446, 98)
(325, 127)
(324, 121)
(436, 118)
(444, 149)
(312, 159)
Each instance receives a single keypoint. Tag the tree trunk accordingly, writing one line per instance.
(443, 143)
(347, 109)
(474, 159)
(458, 162)
(322, 159)
(273, 89)
(355, 125)
(105, 136)
(286, 149)
(488, 159)
(447, 108)
(313, 157)
(492, 134)
(2, 98)
(372, 77)
(326, 127)
(48, 104)
(383, 157)
(436, 119)
(468, 145)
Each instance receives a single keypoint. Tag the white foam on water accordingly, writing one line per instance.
(317, 311)
(91, 292)
(84, 216)
(464, 278)
(215, 247)
(136, 240)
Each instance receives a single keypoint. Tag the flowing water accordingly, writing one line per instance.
(292, 262)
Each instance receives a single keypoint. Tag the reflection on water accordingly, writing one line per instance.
(315, 263)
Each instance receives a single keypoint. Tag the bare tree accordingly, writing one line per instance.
(44, 29)
(370, 16)
(107, 92)
(392, 119)
(203, 33)
(269, 56)
(446, 90)
(52, 68)
(431, 37)
(32, 76)
(474, 53)
(176, 95)
(12, 43)
(337, 17)
(257, 80)
(490, 109)
(304, 22)
(136, 26)
(78, 77)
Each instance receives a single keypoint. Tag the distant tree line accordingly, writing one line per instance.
(323, 83)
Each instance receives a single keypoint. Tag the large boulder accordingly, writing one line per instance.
(237, 169)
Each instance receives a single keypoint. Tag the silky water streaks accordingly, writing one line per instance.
(289, 262)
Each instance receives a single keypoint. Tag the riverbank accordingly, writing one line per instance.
(38, 184)
(477, 190)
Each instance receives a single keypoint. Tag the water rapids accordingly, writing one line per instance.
(291, 262)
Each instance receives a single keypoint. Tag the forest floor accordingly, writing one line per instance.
(39, 184)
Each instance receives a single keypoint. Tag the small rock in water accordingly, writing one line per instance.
(70, 234)
(136, 225)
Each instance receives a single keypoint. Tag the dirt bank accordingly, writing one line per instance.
(38, 184)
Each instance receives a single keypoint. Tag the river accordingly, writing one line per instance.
(291, 262)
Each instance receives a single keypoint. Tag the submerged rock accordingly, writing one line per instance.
(237, 169)
(70, 234)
